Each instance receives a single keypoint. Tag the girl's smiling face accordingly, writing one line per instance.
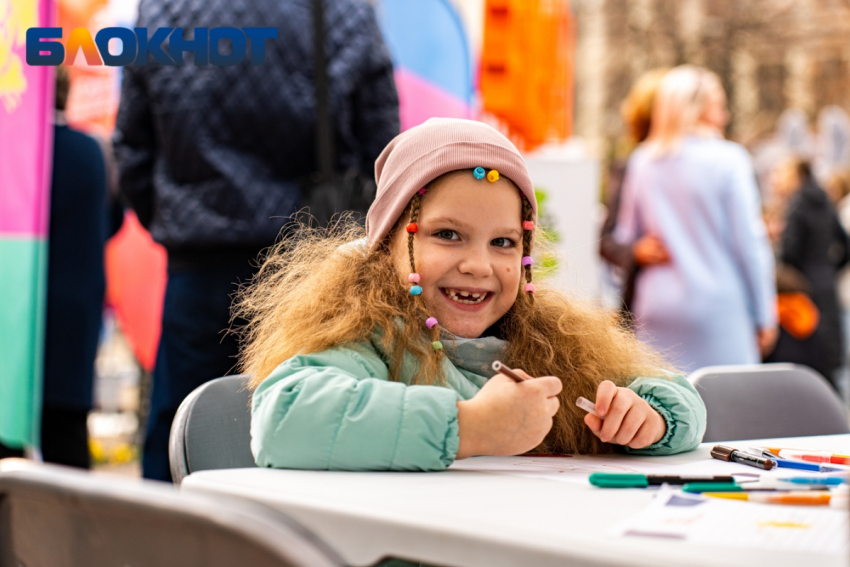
(468, 251)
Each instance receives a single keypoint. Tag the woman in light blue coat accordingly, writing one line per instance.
(714, 301)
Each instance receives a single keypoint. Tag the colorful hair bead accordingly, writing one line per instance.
(416, 290)
(528, 225)
(422, 191)
(478, 172)
(493, 176)
(413, 278)
(413, 228)
(527, 261)
(437, 345)
(430, 322)
(528, 288)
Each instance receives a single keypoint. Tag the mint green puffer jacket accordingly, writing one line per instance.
(338, 410)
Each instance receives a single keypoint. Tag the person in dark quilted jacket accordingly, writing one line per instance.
(210, 159)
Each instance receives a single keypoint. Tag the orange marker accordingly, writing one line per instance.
(810, 456)
(809, 498)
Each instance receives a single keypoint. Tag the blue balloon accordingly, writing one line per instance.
(427, 38)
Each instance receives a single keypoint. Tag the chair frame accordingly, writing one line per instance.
(178, 456)
(699, 375)
(254, 523)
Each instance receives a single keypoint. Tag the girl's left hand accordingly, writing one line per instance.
(629, 420)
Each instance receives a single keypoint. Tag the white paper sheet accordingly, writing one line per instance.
(577, 468)
(712, 521)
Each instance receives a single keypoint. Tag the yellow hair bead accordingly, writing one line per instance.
(493, 176)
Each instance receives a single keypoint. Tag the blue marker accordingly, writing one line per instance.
(789, 464)
(785, 463)
(827, 480)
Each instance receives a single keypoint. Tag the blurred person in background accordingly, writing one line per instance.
(813, 247)
(636, 113)
(210, 159)
(76, 283)
(838, 189)
(714, 301)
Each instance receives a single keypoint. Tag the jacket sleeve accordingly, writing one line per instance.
(682, 409)
(627, 227)
(615, 252)
(750, 245)
(336, 410)
(135, 145)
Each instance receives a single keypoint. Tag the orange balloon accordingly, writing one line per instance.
(797, 314)
(135, 286)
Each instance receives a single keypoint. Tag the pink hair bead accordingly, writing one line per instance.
(413, 278)
(421, 191)
(527, 260)
(430, 322)
(528, 225)
(528, 288)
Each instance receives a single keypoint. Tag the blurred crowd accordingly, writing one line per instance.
(714, 268)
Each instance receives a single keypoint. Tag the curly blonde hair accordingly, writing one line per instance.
(319, 288)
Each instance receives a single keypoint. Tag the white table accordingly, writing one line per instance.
(469, 519)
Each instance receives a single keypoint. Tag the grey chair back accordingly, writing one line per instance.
(767, 401)
(54, 516)
(212, 429)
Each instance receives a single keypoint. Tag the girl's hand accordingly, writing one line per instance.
(629, 420)
(506, 417)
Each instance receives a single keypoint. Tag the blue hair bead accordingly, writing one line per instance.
(416, 290)
(478, 172)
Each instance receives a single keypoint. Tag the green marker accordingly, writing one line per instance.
(632, 480)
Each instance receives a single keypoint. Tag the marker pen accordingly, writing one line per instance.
(636, 480)
(790, 498)
(728, 454)
(823, 480)
(697, 487)
(502, 369)
(587, 406)
(799, 465)
(812, 456)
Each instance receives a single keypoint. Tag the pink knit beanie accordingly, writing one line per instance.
(417, 156)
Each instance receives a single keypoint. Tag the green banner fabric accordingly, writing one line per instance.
(23, 265)
(26, 147)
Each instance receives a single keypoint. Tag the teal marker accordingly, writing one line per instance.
(713, 487)
(630, 480)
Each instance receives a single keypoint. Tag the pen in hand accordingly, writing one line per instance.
(587, 406)
(502, 369)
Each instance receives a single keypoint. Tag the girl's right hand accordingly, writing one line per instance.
(506, 417)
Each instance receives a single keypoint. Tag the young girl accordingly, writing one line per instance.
(375, 354)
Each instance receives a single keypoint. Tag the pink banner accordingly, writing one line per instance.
(26, 124)
(420, 100)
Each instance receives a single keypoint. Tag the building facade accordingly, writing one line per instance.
(770, 54)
